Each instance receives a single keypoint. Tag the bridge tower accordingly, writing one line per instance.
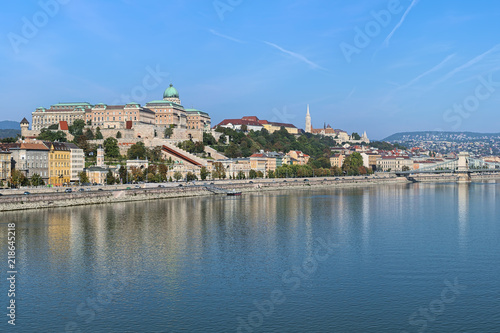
(463, 167)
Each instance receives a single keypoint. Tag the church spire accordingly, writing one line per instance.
(308, 121)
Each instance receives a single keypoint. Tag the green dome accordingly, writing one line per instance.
(171, 92)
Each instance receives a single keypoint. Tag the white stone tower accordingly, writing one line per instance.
(308, 121)
(100, 157)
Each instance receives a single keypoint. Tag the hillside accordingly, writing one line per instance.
(8, 124)
(9, 133)
(440, 136)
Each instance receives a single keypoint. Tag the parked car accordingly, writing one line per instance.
(306, 180)
(81, 190)
(1, 194)
(161, 185)
(250, 182)
(180, 185)
(68, 190)
(100, 189)
(26, 193)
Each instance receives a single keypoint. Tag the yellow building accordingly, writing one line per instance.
(337, 160)
(59, 164)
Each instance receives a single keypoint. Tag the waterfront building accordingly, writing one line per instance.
(296, 157)
(31, 158)
(59, 163)
(5, 166)
(273, 160)
(337, 160)
(370, 160)
(77, 161)
(394, 163)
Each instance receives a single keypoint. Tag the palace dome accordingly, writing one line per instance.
(171, 92)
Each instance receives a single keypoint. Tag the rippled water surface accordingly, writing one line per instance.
(419, 257)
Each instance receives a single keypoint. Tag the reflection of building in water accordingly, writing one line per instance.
(463, 212)
(59, 234)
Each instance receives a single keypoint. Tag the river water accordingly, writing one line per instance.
(387, 258)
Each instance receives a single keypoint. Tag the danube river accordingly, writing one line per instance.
(386, 258)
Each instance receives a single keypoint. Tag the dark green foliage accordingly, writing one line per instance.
(48, 135)
(111, 149)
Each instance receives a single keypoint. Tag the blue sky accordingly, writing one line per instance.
(368, 65)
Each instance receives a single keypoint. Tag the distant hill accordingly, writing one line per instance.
(440, 136)
(9, 133)
(8, 124)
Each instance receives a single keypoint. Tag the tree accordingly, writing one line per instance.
(53, 127)
(405, 168)
(252, 174)
(260, 174)
(89, 134)
(219, 171)
(177, 175)
(355, 136)
(18, 178)
(204, 173)
(48, 135)
(111, 149)
(122, 171)
(270, 174)
(208, 139)
(82, 176)
(137, 151)
(110, 179)
(169, 131)
(191, 176)
(98, 134)
(36, 180)
(244, 128)
(162, 171)
(352, 163)
(241, 175)
(76, 129)
(118, 135)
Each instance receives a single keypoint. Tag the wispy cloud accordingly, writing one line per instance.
(226, 37)
(467, 64)
(388, 38)
(297, 56)
(432, 70)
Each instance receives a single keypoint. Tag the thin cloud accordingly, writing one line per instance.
(296, 55)
(388, 38)
(433, 69)
(467, 65)
(226, 37)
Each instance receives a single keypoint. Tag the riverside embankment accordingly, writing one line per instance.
(48, 198)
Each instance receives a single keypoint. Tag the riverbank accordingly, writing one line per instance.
(48, 198)
(44, 198)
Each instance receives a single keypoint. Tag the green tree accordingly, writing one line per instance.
(110, 179)
(48, 135)
(122, 171)
(219, 171)
(82, 176)
(355, 136)
(89, 134)
(111, 149)
(76, 129)
(98, 134)
(137, 151)
(208, 139)
(17, 178)
(204, 173)
(252, 174)
(352, 164)
(260, 174)
(53, 127)
(36, 180)
(118, 135)
(191, 176)
(177, 175)
(169, 131)
(241, 175)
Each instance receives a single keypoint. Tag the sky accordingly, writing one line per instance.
(380, 66)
